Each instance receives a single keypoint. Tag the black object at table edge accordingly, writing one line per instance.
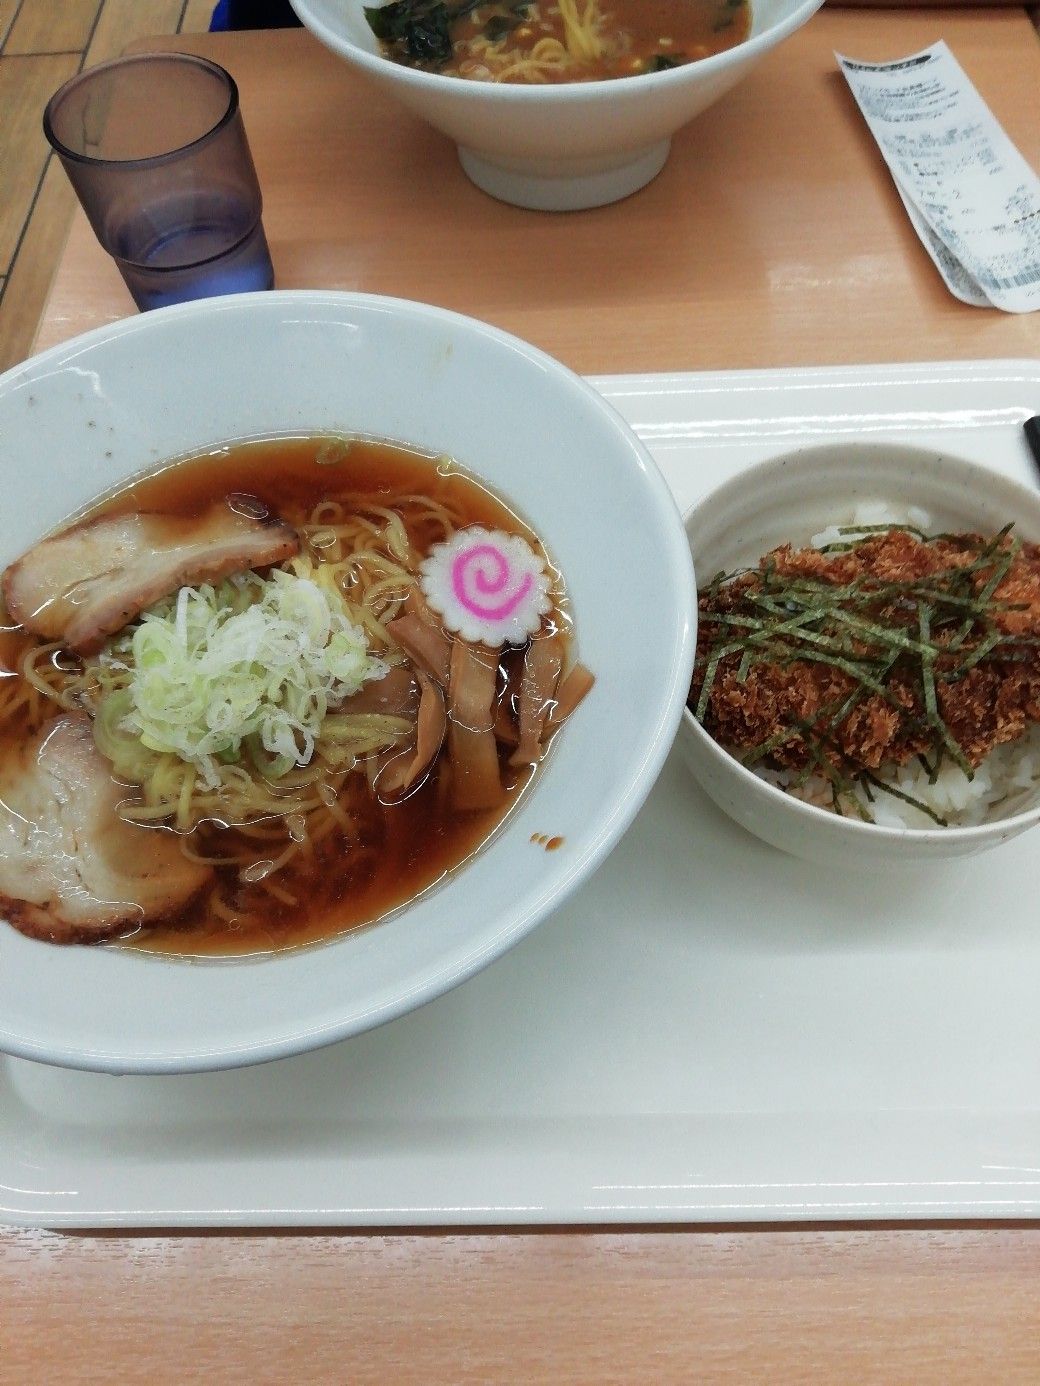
(1031, 428)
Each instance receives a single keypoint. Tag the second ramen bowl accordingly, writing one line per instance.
(560, 147)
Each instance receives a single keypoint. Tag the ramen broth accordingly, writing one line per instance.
(550, 42)
(396, 851)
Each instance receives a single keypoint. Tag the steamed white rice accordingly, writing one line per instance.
(1006, 782)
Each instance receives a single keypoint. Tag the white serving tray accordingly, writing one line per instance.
(709, 1031)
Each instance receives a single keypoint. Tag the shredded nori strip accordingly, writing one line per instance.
(870, 630)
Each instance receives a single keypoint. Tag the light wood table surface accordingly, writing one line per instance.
(773, 237)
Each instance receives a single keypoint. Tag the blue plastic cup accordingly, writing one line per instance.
(155, 148)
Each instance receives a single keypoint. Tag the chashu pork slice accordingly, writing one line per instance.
(86, 583)
(71, 870)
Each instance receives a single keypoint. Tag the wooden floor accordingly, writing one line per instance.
(42, 43)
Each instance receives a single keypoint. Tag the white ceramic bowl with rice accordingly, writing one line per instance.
(798, 499)
(558, 147)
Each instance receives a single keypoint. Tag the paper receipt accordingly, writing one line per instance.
(970, 195)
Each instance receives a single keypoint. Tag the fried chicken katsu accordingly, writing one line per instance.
(872, 652)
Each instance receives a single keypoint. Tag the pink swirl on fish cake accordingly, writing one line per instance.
(488, 586)
(490, 572)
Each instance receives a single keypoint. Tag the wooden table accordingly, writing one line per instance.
(773, 237)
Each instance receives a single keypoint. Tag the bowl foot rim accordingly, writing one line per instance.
(524, 183)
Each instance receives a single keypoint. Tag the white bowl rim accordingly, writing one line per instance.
(810, 813)
(567, 875)
(576, 93)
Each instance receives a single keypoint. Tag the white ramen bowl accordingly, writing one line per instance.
(789, 499)
(557, 148)
(87, 415)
